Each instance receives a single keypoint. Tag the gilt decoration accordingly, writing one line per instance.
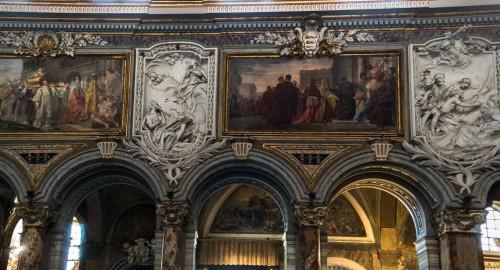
(48, 43)
(312, 39)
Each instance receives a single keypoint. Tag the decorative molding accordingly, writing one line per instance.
(37, 160)
(459, 220)
(36, 215)
(321, 157)
(235, 7)
(174, 113)
(403, 195)
(381, 148)
(312, 39)
(85, 9)
(172, 213)
(107, 147)
(49, 43)
(241, 146)
(309, 214)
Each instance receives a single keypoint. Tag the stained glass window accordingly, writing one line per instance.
(15, 246)
(490, 230)
(74, 246)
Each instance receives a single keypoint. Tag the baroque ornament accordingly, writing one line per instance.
(456, 107)
(174, 111)
(459, 220)
(49, 43)
(312, 39)
(309, 214)
(172, 213)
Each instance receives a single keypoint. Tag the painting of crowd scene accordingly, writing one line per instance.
(84, 94)
(352, 92)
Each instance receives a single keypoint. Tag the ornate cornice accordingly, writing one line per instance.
(36, 215)
(296, 6)
(459, 220)
(172, 213)
(217, 7)
(309, 214)
(72, 8)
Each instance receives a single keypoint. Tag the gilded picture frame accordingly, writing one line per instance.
(318, 97)
(85, 95)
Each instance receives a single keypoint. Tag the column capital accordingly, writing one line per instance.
(172, 213)
(36, 215)
(459, 220)
(309, 214)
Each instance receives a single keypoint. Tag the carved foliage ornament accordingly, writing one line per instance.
(459, 220)
(36, 215)
(172, 213)
(309, 215)
(312, 39)
(174, 110)
(456, 107)
(48, 43)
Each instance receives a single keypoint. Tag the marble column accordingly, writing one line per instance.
(460, 238)
(309, 218)
(172, 216)
(36, 218)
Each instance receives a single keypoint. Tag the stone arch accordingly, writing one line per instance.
(484, 186)
(261, 170)
(398, 176)
(71, 181)
(14, 178)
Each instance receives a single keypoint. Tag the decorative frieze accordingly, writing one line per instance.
(48, 43)
(459, 220)
(312, 39)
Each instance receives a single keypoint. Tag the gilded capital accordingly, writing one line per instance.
(459, 220)
(309, 215)
(172, 213)
(36, 215)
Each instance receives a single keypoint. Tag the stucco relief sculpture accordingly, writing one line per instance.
(456, 105)
(48, 43)
(312, 39)
(174, 112)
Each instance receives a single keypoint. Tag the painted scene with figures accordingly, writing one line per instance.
(66, 95)
(355, 92)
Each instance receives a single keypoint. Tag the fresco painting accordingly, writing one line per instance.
(359, 93)
(85, 94)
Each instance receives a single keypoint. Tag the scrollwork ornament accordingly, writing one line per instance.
(459, 220)
(48, 43)
(36, 215)
(312, 39)
(309, 215)
(172, 213)
(174, 127)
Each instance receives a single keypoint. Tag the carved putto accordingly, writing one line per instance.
(312, 39)
(174, 111)
(456, 107)
(48, 43)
